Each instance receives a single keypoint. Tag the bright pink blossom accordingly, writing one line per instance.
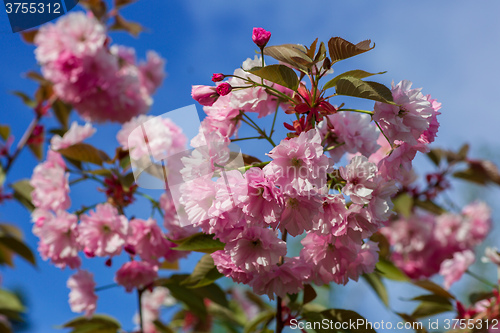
(103, 232)
(136, 274)
(261, 37)
(82, 297)
(224, 88)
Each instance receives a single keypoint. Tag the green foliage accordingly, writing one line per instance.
(354, 87)
(279, 74)
(357, 73)
(204, 273)
(199, 242)
(375, 282)
(22, 193)
(83, 152)
(292, 54)
(96, 324)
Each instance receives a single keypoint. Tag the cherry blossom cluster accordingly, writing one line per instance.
(102, 82)
(103, 231)
(302, 191)
(425, 244)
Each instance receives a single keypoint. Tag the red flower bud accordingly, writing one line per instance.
(217, 77)
(224, 88)
(260, 37)
(204, 95)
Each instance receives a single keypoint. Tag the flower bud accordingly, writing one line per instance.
(205, 95)
(260, 37)
(217, 77)
(224, 88)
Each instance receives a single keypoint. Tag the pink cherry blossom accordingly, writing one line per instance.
(299, 166)
(50, 184)
(453, 269)
(359, 175)
(226, 266)
(147, 239)
(281, 280)
(224, 88)
(299, 214)
(103, 232)
(256, 249)
(82, 297)
(74, 135)
(353, 132)
(407, 120)
(152, 71)
(492, 255)
(152, 301)
(159, 136)
(136, 274)
(205, 95)
(58, 238)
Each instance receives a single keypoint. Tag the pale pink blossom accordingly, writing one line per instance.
(407, 120)
(331, 220)
(82, 297)
(205, 95)
(492, 255)
(299, 214)
(226, 266)
(103, 232)
(256, 249)
(148, 240)
(136, 274)
(288, 278)
(453, 269)
(299, 166)
(77, 32)
(352, 132)
(359, 175)
(58, 238)
(151, 302)
(50, 184)
(74, 135)
(159, 136)
(430, 134)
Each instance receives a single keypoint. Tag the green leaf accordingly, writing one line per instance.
(432, 298)
(9, 303)
(430, 206)
(96, 324)
(37, 77)
(62, 112)
(376, 283)
(357, 73)
(390, 271)
(309, 294)
(203, 274)
(25, 98)
(189, 297)
(261, 318)
(435, 155)
(4, 327)
(279, 74)
(292, 54)
(161, 327)
(434, 288)
(426, 309)
(214, 293)
(351, 86)
(37, 150)
(29, 36)
(17, 246)
(121, 3)
(85, 153)
(199, 242)
(4, 132)
(22, 193)
(341, 49)
(403, 204)
(348, 316)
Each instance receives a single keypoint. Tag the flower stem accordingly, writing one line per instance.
(279, 302)
(480, 279)
(357, 110)
(22, 143)
(258, 129)
(105, 287)
(141, 320)
(385, 136)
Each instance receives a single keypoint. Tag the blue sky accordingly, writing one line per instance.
(450, 48)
